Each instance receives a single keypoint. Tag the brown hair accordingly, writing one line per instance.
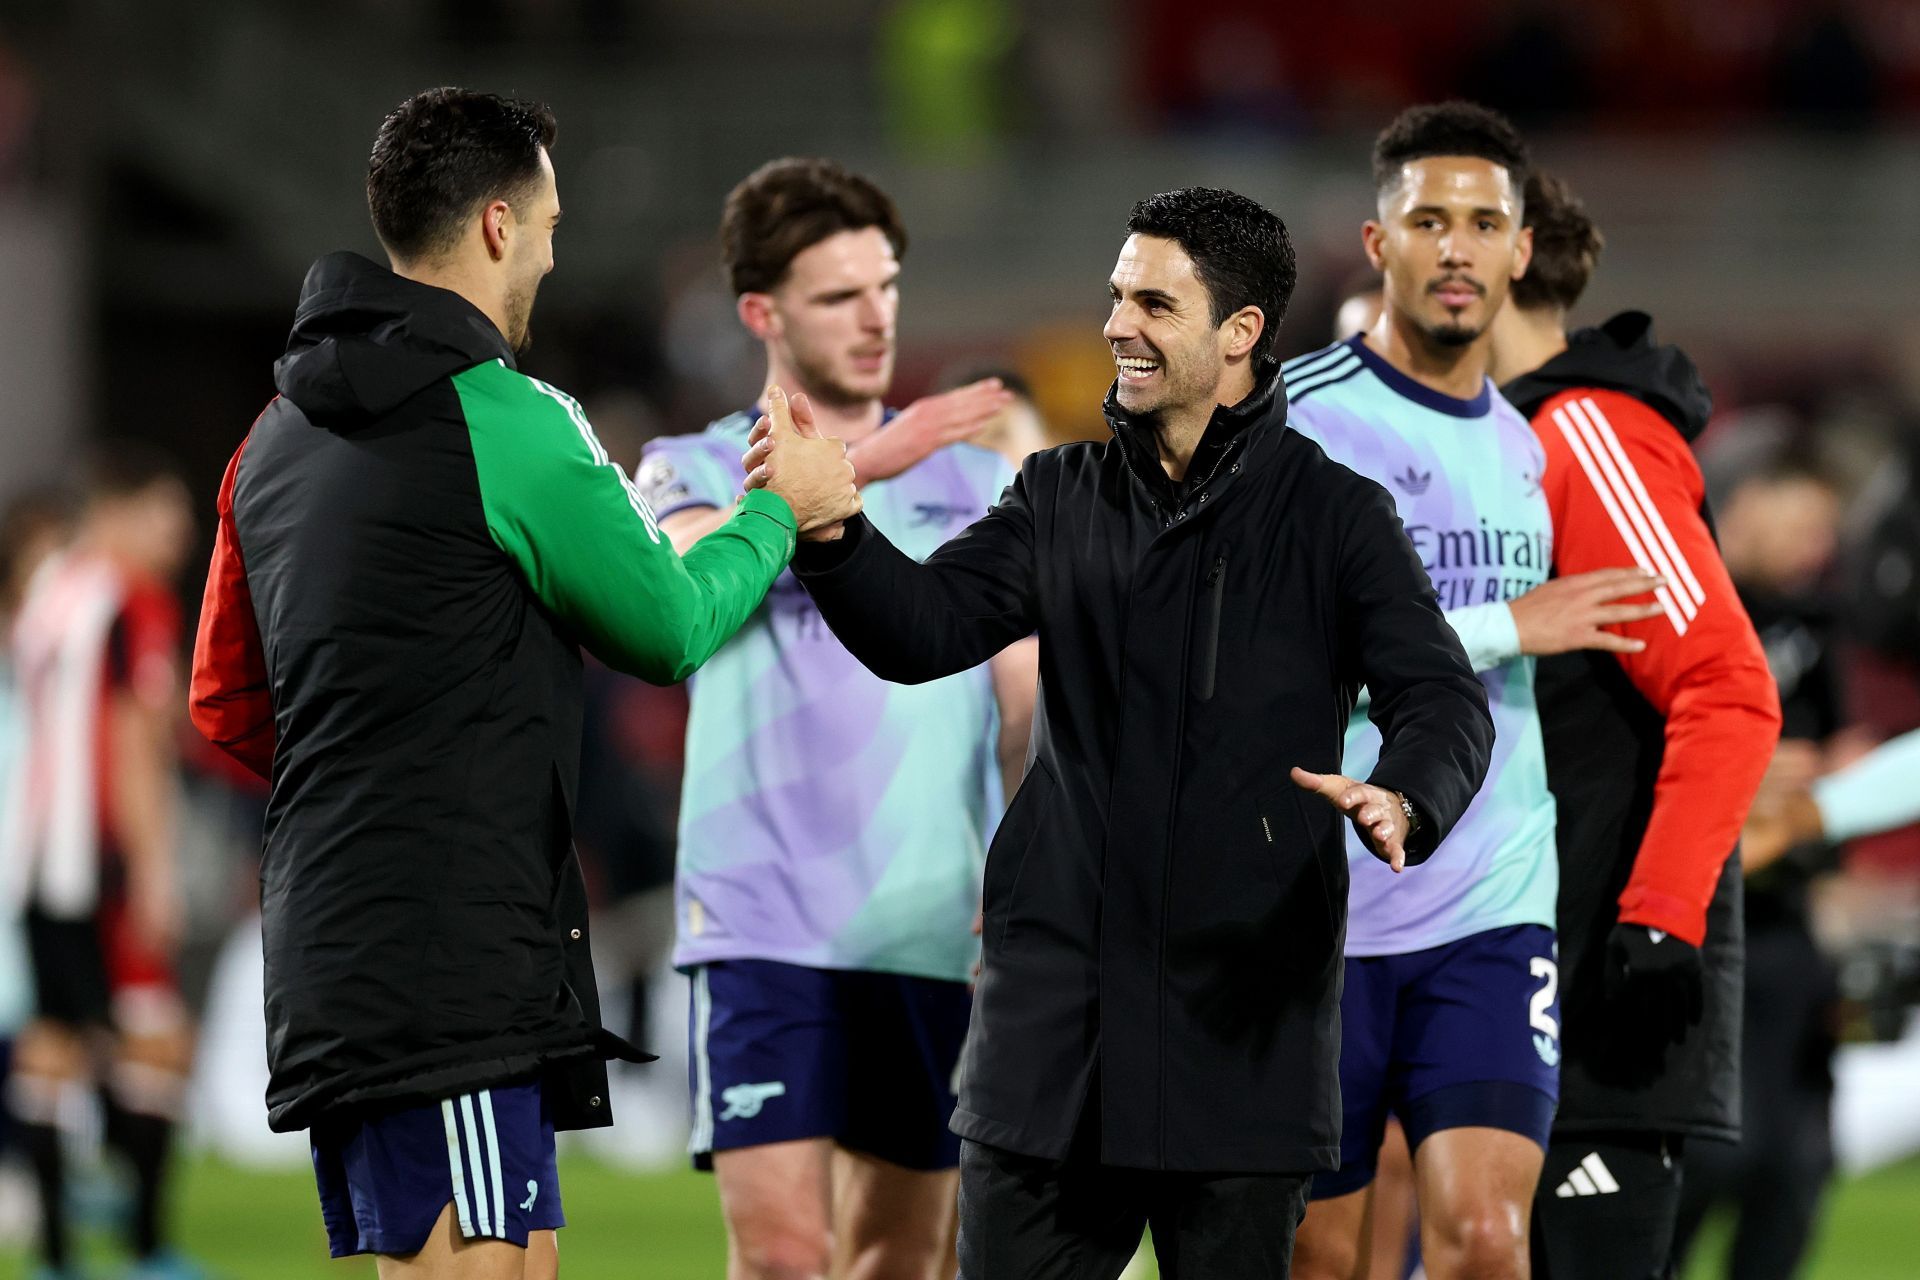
(1566, 246)
(787, 206)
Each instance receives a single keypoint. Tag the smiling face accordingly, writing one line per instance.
(1169, 354)
(832, 317)
(1448, 243)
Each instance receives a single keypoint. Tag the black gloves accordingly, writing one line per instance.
(1656, 978)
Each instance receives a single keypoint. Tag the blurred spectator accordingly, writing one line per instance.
(1778, 529)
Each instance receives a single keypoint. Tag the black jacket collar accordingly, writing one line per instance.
(364, 340)
(1230, 428)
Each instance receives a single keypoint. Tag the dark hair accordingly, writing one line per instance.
(1240, 250)
(1566, 246)
(124, 468)
(785, 207)
(440, 155)
(1448, 129)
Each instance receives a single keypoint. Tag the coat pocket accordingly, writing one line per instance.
(1008, 853)
(1213, 591)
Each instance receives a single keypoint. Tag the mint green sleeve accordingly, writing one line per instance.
(589, 546)
(1487, 632)
(1877, 792)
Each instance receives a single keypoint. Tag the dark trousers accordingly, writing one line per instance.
(1606, 1207)
(1023, 1218)
(1777, 1176)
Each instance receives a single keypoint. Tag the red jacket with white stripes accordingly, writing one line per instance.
(1653, 757)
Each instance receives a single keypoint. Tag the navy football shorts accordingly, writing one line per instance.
(781, 1052)
(385, 1176)
(1459, 1035)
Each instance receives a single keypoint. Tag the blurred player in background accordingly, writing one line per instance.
(1778, 526)
(1450, 1013)
(832, 825)
(1653, 758)
(97, 656)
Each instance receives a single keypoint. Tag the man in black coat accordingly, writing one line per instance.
(1157, 1019)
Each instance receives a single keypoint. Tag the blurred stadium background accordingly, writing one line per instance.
(168, 169)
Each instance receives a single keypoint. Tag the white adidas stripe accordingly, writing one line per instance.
(700, 1140)
(1630, 496)
(455, 1162)
(1590, 1177)
(1602, 1176)
(1659, 523)
(493, 1157)
(482, 1213)
(1624, 523)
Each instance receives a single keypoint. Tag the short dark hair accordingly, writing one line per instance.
(1449, 129)
(1240, 250)
(785, 207)
(444, 152)
(1566, 246)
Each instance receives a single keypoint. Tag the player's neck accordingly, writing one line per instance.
(1452, 371)
(849, 420)
(1525, 340)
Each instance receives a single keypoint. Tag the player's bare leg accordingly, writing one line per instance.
(543, 1255)
(1389, 1225)
(447, 1255)
(1476, 1199)
(1331, 1242)
(890, 1222)
(777, 1200)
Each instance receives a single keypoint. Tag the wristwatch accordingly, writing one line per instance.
(1413, 816)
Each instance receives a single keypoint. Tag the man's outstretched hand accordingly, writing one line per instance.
(1574, 612)
(927, 426)
(1374, 811)
(787, 455)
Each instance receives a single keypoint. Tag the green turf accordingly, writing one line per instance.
(266, 1226)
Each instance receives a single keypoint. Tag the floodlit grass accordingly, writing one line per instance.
(266, 1226)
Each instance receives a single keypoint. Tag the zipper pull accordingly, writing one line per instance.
(1213, 574)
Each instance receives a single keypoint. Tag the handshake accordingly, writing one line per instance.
(787, 455)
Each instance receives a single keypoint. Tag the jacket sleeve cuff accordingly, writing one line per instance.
(1421, 844)
(1664, 911)
(822, 560)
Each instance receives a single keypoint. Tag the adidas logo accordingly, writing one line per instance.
(1414, 482)
(1590, 1177)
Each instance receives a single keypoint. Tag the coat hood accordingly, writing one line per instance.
(365, 340)
(1621, 355)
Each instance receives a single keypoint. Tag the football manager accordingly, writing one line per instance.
(1157, 1020)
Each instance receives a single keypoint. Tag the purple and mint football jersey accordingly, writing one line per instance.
(827, 817)
(1465, 475)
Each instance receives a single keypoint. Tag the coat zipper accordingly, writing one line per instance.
(1216, 584)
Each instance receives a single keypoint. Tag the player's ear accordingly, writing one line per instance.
(1523, 252)
(1242, 331)
(495, 224)
(1373, 237)
(756, 312)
